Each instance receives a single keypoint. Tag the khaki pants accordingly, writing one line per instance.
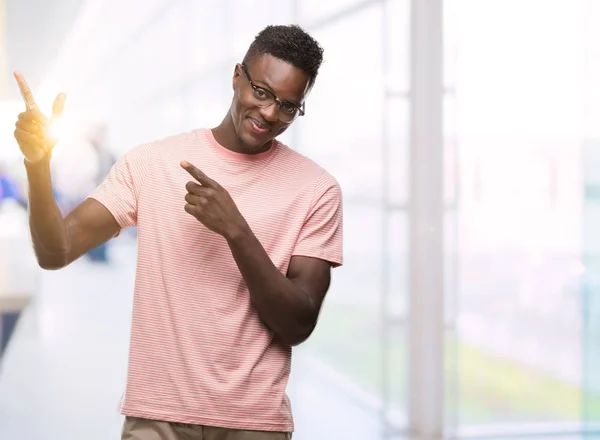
(143, 429)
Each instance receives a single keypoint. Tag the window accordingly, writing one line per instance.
(517, 114)
(359, 135)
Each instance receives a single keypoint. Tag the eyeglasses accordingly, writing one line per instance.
(287, 111)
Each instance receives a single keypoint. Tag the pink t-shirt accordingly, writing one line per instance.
(199, 352)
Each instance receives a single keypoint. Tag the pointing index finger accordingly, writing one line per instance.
(198, 175)
(25, 91)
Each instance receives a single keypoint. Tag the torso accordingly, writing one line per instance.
(199, 352)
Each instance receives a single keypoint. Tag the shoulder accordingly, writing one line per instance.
(306, 170)
(145, 152)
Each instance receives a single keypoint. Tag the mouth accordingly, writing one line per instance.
(258, 126)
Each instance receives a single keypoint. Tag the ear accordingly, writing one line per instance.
(237, 71)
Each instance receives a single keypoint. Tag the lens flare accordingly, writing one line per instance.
(56, 128)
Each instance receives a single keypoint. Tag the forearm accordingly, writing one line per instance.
(48, 228)
(283, 306)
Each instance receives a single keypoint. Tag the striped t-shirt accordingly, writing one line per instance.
(199, 352)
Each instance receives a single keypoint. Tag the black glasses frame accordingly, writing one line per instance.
(279, 102)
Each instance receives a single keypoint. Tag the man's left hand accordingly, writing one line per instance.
(212, 204)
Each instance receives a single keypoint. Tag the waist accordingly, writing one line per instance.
(241, 393)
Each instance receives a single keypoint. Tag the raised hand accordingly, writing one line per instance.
(33, 128)
(212, 204)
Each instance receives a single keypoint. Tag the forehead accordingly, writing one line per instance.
(287, 81)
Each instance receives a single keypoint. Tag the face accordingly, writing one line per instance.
(256, 124)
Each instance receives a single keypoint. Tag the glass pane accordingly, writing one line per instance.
(310, 11)
(353, 308)
(518, 116)
(451, 23)
(397, 115)
(451, 151)
(208, 98)
(396, 311)
(263, 13)
(343, 122)
(397, 39)
(591, 65)
(397, 264)
(156, 55)
(353, 305)
(350, 96)
(451, 266)
(207, 38)
(396, 385)
(590, 281)
(590, 286)
(451, 280)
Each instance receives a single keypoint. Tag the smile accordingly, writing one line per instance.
(258, 127)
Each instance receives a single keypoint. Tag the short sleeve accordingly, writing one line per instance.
(120, 189)
(321, 235)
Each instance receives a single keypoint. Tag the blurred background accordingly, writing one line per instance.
(466, 137)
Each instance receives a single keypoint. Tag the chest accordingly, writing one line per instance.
(275, 212)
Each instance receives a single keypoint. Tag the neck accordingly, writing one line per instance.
(226, 135)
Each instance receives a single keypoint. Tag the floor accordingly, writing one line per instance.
(64, 370)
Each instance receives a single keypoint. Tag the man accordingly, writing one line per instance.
(233, 265)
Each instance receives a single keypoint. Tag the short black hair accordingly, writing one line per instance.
(289, 43)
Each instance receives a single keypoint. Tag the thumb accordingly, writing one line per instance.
(59, 105)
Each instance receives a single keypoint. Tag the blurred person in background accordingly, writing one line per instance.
(98, 139)
(9, 187)
(74, 169)
(237, 236)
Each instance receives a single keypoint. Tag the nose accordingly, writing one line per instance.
(271, 112)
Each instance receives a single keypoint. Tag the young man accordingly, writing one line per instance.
(233, 263)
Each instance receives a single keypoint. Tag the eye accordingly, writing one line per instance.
(289, 108)
(260, 93)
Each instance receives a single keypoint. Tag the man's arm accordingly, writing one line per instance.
(288, 305)
(59, 241)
